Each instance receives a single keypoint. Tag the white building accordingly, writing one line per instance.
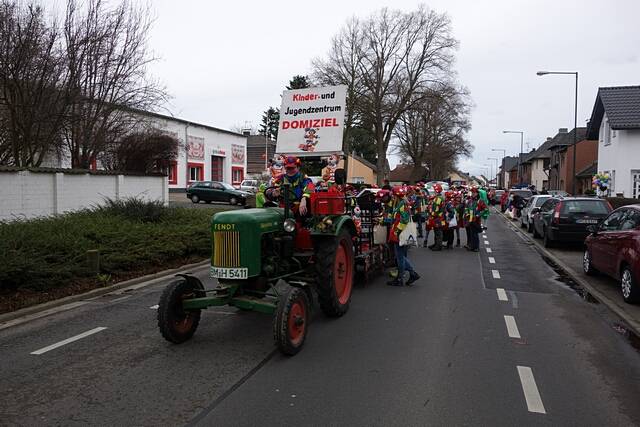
(207, 153)
(615, 123)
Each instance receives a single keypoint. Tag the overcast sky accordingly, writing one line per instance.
(224, 61)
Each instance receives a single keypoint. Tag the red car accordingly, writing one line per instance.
(613, 248)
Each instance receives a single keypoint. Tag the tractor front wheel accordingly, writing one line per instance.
(291, 321)
(176, 324)
(334, 267)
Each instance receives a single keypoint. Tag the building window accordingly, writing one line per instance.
(358, 180)
(607, 133)
(635, 184)
(196, 172)
(173, 172)
(237, 174)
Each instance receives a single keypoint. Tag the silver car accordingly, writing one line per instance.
(526, 219)
(250, 185)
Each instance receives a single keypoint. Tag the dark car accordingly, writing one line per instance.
(214, 191)
(565, 219)
(613, 248)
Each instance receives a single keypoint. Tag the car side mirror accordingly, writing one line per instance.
(340, 176)
(593, 229)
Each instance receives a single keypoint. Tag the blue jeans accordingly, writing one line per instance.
(402, 260)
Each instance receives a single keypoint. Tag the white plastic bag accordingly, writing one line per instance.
(409, 236)
(379, 234)
(453, 222)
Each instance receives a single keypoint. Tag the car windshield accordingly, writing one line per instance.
(522, 193)
(540, 201)
(227, 186)
(595, 207)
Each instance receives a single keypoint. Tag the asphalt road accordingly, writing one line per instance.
(488, 338)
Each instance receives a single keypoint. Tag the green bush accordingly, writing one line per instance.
(130, 235)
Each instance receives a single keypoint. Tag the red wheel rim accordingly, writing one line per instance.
(297, 323)
(184, 319)
(342, 273)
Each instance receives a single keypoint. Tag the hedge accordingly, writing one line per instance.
(130, 236)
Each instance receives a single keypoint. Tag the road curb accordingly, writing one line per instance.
(151, 278)
(599, 296)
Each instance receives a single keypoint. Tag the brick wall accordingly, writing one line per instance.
(26, 194)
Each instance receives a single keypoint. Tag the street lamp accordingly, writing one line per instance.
(504, 154)
(575, 123)
(489, 169)
(520, 154)
(496, 159)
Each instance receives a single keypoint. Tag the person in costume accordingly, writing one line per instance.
(300, 188)
(328, 172)
(449, 214)
(459, 206)
(473, 212)
(277, 168)
(436, 214)
(260, 199)
(401, 217)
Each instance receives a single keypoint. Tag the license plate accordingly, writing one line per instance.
(229, 273)
(586, 221)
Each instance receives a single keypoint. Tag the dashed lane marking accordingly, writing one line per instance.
(68, 340)
(502, 295)
(496, 274)
(154, 307)
(486, 242)
(492, 260)
(512, 328)
(488, 250)
(530, 389)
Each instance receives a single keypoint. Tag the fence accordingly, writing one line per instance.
(31, 193)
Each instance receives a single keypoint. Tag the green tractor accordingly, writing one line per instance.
(268, 261)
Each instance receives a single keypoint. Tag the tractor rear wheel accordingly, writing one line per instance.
(291, 321)
(176, 324)
(335, 268)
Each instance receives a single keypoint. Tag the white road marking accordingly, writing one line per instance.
(154, 307)
(530, 389)
(488, 250)
(68, 340)
(492, 260)
(486, 242)
(512, 328)
(496, 274)
(502, 295)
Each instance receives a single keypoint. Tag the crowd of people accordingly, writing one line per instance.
(443, 213)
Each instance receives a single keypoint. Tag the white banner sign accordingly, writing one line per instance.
(312, 121)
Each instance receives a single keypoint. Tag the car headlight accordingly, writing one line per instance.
(289, 225)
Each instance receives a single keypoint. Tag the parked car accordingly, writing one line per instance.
(250, 185)
(495, 200)
(556, 193)
(214, 191)
(522, 192)
(565, 219)
(526, 219)
(613, 248)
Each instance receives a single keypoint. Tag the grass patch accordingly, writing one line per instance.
(133, 237)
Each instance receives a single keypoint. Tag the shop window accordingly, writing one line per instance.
(173, 172)
(196, 172)
(237, 175)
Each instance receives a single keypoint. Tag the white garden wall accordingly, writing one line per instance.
(27, 194)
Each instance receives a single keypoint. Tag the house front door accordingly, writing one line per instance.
(217, 168)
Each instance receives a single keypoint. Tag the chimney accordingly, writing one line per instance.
(246, 132)
(563, 130)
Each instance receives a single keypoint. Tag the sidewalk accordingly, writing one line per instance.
(603, 288)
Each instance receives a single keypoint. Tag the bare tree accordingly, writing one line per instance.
(396, 55)
(433, 132)
(107, 58)
(33, 95)
(148, 150)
